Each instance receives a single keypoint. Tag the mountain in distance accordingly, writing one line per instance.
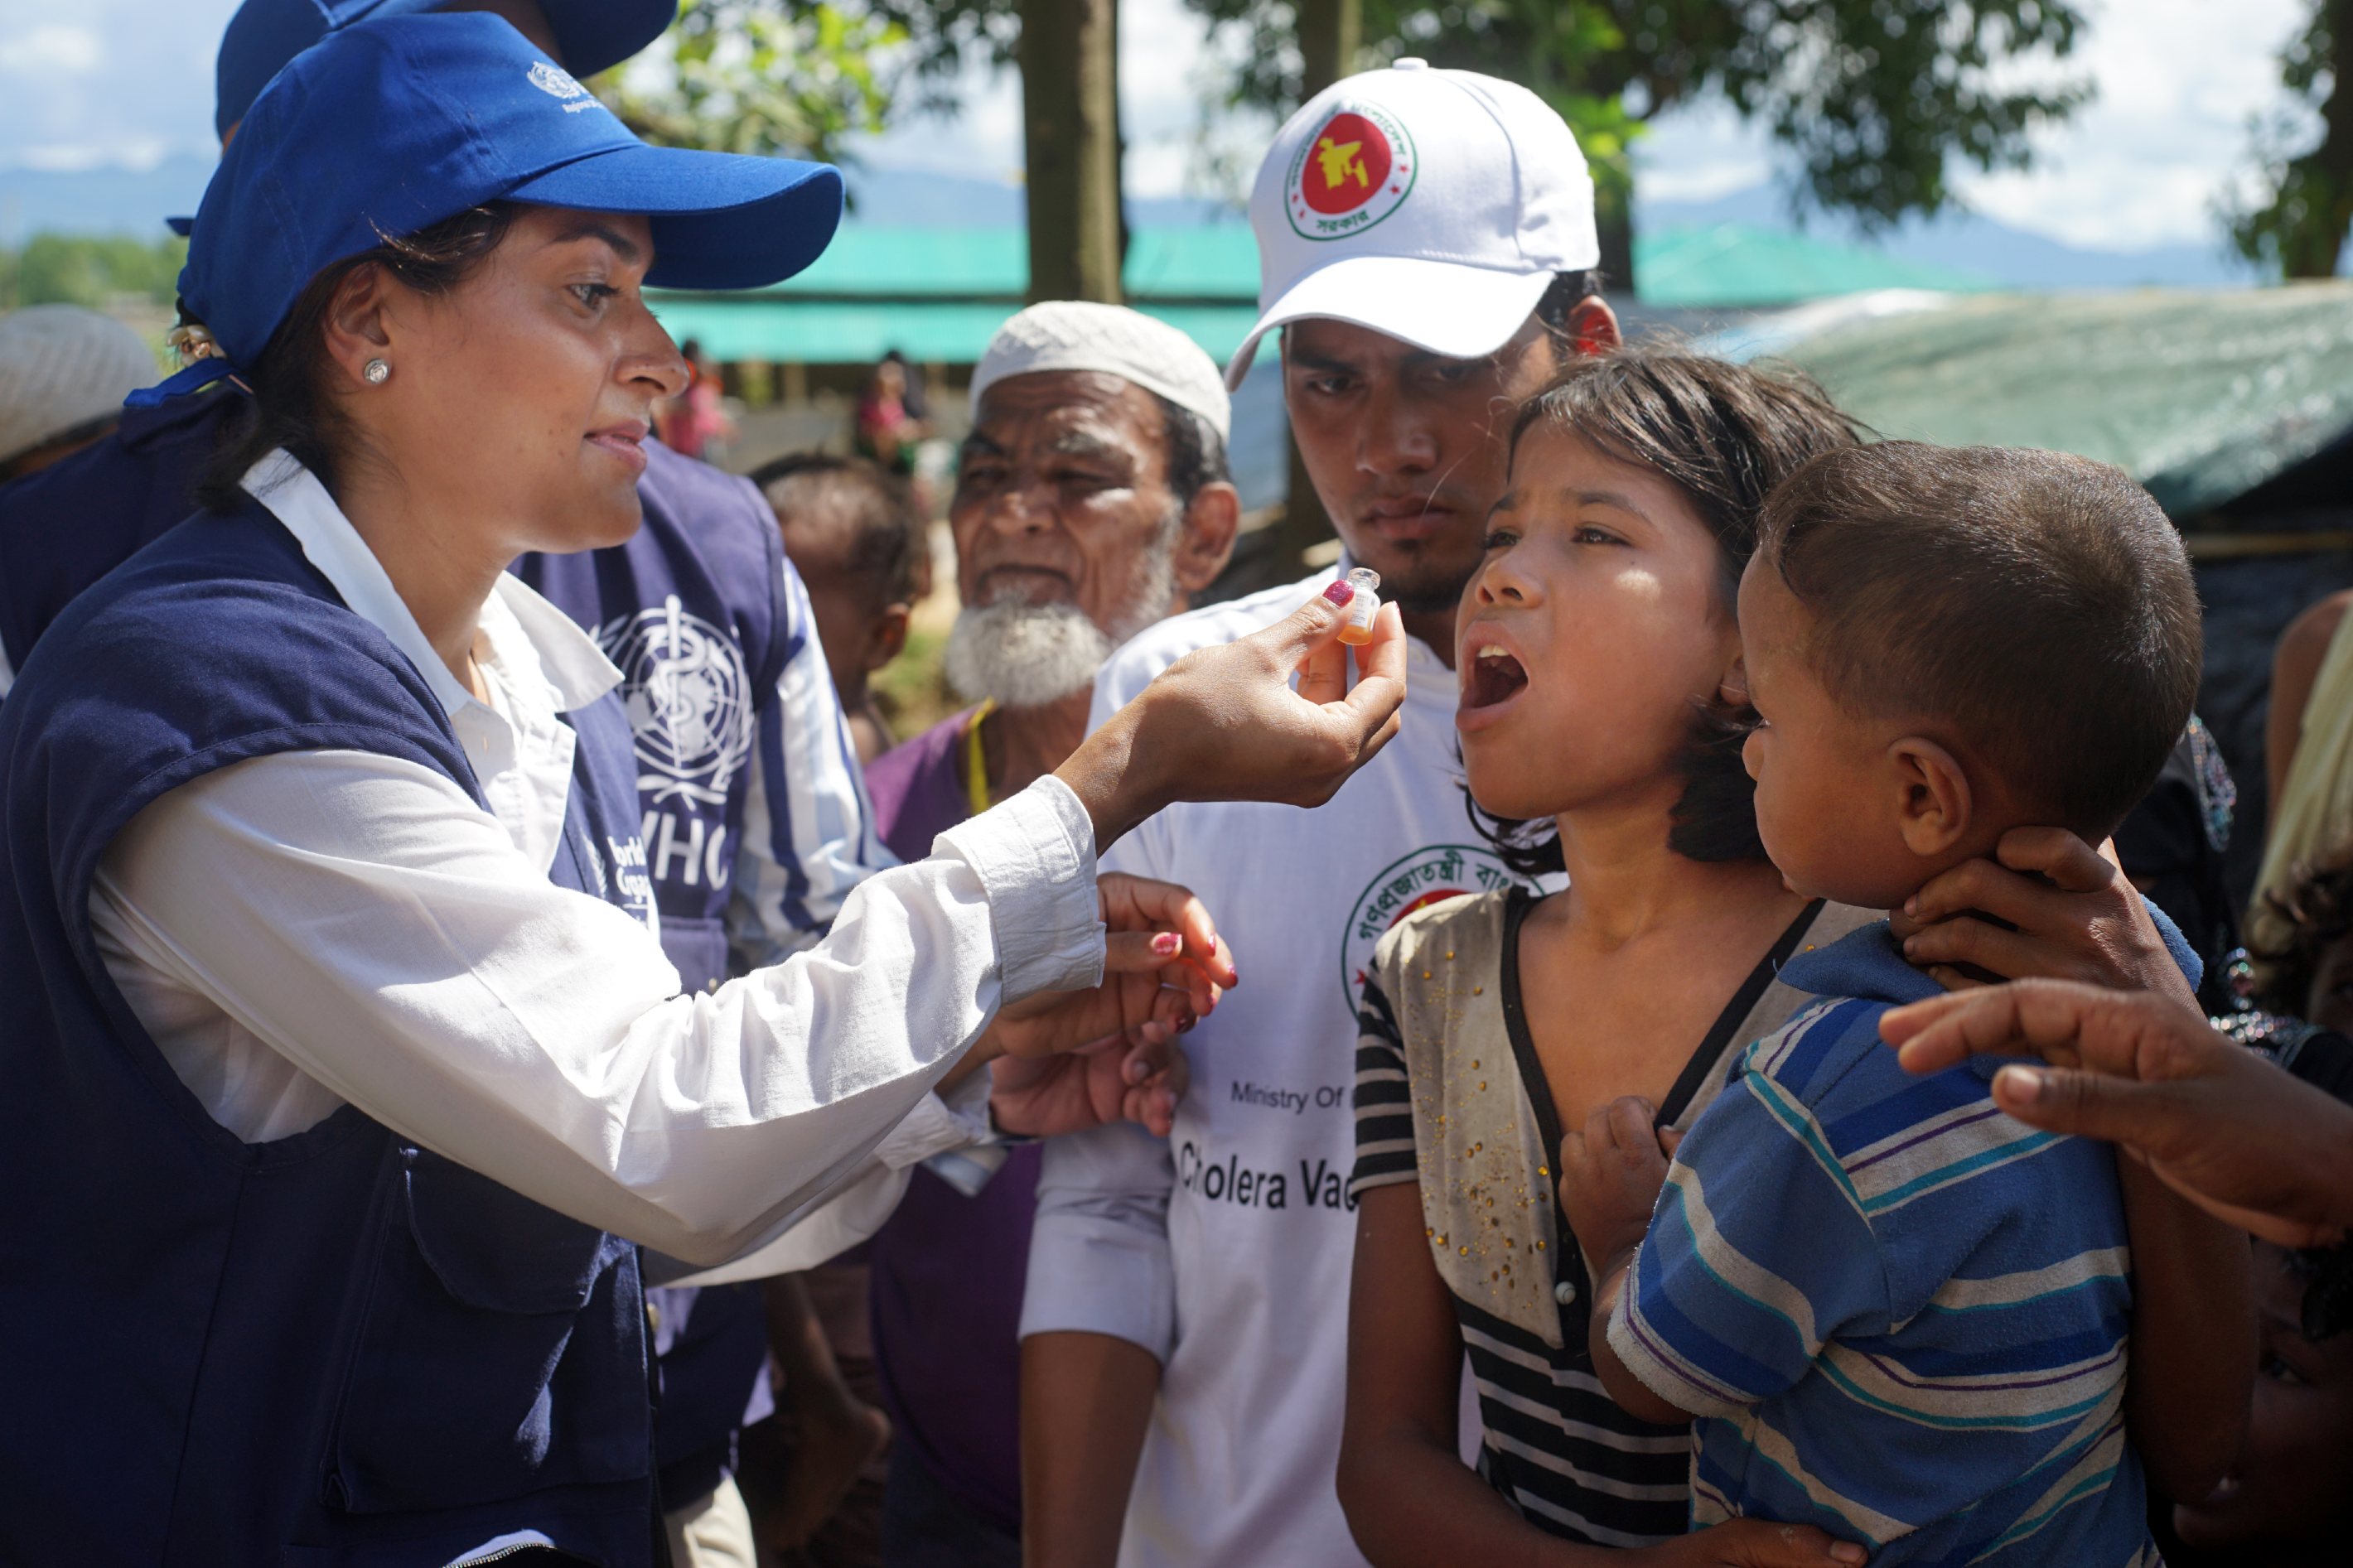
(135, 202)
(114, 200)
(1971, 242)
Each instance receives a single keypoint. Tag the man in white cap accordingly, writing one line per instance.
(1092, 500)
(64, 373)
(1426, 248)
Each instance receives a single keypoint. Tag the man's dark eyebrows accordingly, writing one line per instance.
(1326, 364)
(980, 444)
(1421, 359)
(588, 228)
(1087, 444)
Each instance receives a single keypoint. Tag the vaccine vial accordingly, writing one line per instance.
(1363, 607)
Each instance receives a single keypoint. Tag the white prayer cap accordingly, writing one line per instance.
(1078, 334)
(62, 367)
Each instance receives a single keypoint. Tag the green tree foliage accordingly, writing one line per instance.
(2294, 214)
(789, 76)
(1875, 98)
(90, 269)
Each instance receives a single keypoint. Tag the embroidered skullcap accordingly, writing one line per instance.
(62, 367)
(1078, 334)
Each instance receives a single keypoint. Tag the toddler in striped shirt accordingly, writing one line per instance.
(1891, 1310)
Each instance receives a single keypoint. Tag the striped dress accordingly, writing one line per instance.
(1449, 1093)
(1898, 1313)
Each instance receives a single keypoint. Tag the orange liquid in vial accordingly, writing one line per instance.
(1355, 635)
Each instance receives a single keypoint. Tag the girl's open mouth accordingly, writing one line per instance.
(1492, 676)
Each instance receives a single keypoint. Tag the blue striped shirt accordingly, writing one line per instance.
(1896, 1312)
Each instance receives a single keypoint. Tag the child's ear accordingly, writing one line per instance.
(1935, 808)
(1732, 691)
(887, 638)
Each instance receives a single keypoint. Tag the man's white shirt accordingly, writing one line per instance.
(1225, 1251)
(313, 928)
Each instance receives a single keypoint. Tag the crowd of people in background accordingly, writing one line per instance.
(1719, 1036)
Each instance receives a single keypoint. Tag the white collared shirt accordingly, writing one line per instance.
(312, 928)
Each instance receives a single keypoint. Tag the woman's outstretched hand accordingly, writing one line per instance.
(1225, 723)
(2249, 1143)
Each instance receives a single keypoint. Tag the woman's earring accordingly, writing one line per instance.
(375, 372)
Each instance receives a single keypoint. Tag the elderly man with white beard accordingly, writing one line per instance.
(1092, 500)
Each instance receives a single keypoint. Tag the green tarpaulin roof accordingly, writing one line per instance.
(937, 294)
(2201, 396)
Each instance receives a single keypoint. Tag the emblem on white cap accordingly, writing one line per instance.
(1355, 171)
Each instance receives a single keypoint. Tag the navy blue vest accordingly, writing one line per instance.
(67, 526)
(698, 680)
(334, 1348)
(692, 610)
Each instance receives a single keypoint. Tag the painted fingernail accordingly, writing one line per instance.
(1185, 1025)
(1166, 943)
(2022, 1084)
(1137, 1071)
(1340, 593)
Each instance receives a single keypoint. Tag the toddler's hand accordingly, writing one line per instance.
(1754, 1544)
(1611, 1175)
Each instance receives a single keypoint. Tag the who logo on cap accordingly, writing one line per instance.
(1434, 206)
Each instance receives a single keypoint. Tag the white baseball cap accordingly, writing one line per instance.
(1433, 206)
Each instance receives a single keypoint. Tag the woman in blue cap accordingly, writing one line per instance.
(345, 1069)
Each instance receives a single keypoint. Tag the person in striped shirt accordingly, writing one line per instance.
(1891, 1310)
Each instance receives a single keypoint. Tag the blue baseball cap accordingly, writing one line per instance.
(265, 34)
(395, 124)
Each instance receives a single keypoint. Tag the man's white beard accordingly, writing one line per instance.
(1021, 655)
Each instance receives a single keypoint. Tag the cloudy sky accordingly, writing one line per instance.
(108, 81)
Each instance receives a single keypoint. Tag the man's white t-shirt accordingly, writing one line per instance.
(1225, 1251)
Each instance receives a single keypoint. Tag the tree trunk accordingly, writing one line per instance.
(1330, 33)
(1071, 136)
(2314, 246)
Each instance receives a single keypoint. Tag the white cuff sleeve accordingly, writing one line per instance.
(1035, 855)
(954, 1119)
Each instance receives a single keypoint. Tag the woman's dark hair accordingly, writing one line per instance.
(2316, 912)
(291, 407)
(1724, 434)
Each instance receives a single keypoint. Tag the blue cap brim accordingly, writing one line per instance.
(720, 220)
(183, 226)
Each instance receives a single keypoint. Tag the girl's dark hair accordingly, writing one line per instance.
(1725, 434)
(291, 406)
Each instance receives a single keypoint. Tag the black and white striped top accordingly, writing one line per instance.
(1449, 1093)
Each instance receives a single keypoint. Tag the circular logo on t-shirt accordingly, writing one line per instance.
(689, 698)
(1413, 882)
(1354, 172)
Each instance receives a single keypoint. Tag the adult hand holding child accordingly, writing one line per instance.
(2247, 1143)
(2065, 913)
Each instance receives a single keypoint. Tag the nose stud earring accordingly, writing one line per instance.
(375, 372)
